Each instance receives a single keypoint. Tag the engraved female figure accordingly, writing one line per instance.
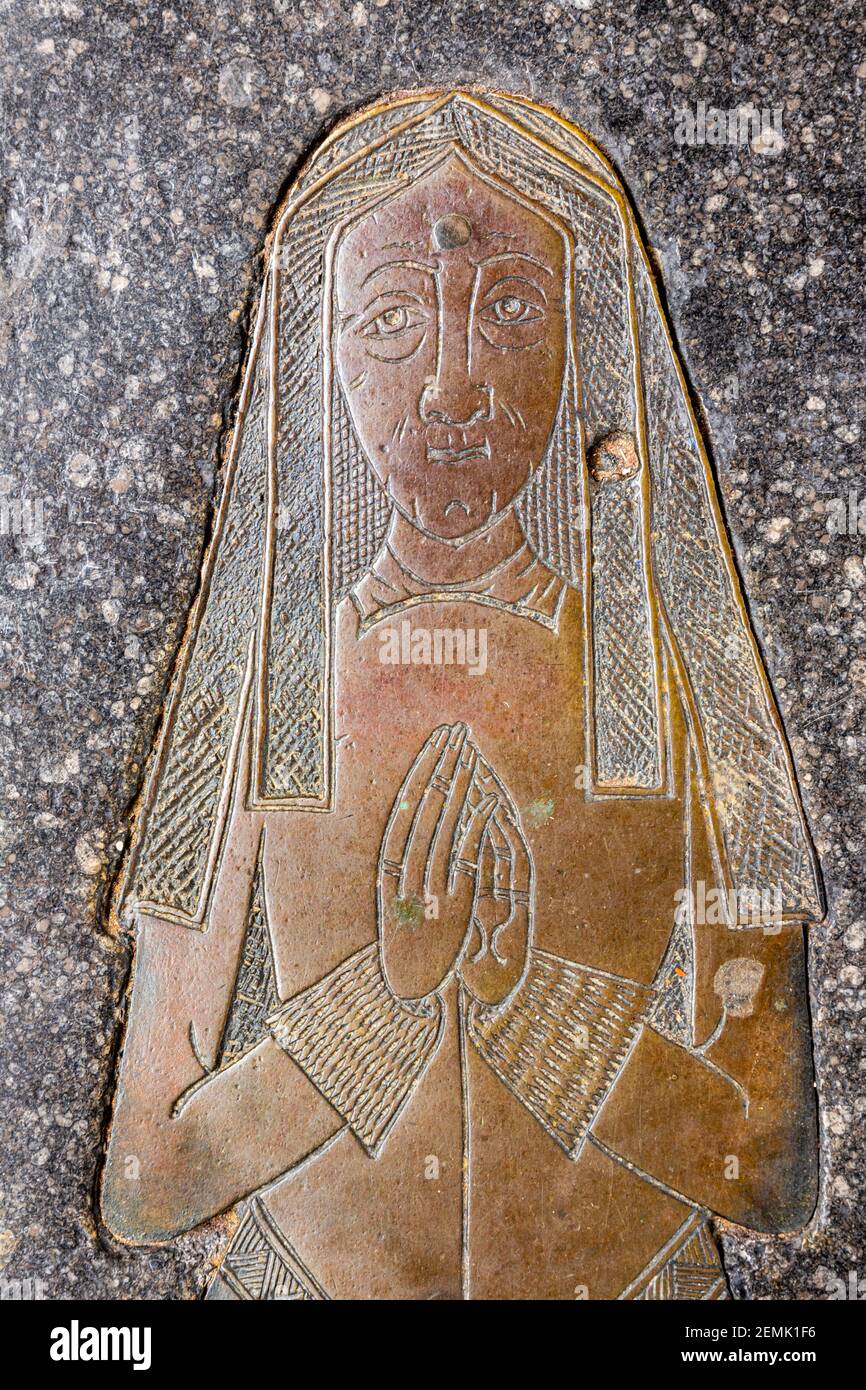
(485, 978)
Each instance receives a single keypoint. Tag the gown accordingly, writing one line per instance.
(463, 1163)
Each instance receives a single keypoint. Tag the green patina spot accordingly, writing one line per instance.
(539, 812)
(408, 912)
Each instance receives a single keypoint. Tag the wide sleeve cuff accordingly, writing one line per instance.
(362, 1048)
(560, 1041)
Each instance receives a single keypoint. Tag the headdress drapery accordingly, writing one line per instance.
(301, 518)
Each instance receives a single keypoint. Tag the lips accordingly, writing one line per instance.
(456, 456)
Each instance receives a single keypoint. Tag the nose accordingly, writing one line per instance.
(455, 400)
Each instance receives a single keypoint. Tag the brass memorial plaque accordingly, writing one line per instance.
(469, 885)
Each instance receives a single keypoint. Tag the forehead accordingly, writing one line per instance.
(452, 213)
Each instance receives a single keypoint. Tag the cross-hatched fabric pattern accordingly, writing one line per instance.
(181, 823)
(254, 996)
(362, 1048)
(765, 839)
(560, 1042)
(690, 1268)
(625, 699)
(261, 1267)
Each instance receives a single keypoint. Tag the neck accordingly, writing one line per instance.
(435, 561)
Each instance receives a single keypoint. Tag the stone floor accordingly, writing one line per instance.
(143, 150)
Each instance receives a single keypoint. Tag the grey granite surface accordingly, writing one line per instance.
(144, 147)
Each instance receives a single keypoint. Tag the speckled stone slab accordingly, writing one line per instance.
(145, 151)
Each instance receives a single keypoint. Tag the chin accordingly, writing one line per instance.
(456, 526)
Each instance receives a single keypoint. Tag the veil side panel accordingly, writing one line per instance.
(752, 785)
(171, 869)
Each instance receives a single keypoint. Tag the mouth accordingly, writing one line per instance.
(457, 456)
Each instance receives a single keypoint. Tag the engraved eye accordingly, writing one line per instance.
(510, 309)
(392, 321)
(394, 325)
(512, 315)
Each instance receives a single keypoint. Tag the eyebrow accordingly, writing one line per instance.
(406, 265)
(512, 255)
(516, 279)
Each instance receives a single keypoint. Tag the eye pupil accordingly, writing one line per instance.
(394, 318)
(510, 306)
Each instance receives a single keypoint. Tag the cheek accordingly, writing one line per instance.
(532, 381)
(533, 378)
(383, 393)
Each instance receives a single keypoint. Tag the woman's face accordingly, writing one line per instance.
(450, 343)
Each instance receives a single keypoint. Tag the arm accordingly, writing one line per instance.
(169, 1166)
(731, 1122)
(246, 1126)
(746, 1150)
